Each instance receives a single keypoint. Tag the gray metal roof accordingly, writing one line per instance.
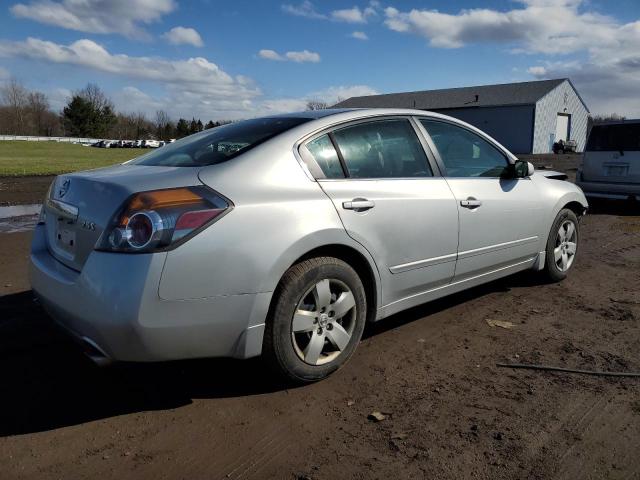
(523, 93)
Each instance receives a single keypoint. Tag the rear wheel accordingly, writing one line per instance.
(562, 245)
(317, 320)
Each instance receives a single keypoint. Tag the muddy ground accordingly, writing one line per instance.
(450, 412)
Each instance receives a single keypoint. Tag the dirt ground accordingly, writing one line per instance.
(450, 412)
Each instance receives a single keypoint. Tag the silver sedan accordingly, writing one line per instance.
(283, 236)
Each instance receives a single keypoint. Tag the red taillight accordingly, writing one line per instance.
(160, 219)
(189, 220)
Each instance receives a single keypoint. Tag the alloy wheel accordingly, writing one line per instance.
(566, 244)
(323, 322)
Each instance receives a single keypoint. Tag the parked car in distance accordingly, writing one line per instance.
(150, 144)
(285, 235)
(611, 161)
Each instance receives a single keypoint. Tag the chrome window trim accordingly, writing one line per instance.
(348, 123)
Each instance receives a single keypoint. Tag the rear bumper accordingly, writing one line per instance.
(620, 191)
(114, 307)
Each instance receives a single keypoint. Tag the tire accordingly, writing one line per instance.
(556, 268)
(307, 347)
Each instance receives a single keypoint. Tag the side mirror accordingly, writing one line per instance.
(523, 169)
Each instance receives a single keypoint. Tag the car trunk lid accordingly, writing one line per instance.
(82, 205)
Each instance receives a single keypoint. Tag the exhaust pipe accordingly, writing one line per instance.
(94, 352)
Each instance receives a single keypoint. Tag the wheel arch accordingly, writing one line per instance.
(576, 207)
(364, 267)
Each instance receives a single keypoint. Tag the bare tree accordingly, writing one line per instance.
(317, 105)
(96, 97)
(161, 124)
(38, 108)
(15, 96)
(611, 117)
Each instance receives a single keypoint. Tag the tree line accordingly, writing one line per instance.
(88, 113)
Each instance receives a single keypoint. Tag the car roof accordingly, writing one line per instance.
(313, 114)
(634, 121)
(328, 118)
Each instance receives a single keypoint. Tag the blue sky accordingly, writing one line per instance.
(224, 59)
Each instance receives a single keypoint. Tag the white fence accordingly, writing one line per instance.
(30, 138)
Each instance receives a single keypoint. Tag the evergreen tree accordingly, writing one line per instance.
(182, 128)
(89, 113)
(78, 117)
(209, 125)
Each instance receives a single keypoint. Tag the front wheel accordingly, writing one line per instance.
(317, 320)
(562, 245)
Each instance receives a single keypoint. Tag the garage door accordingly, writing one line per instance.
(562, 127)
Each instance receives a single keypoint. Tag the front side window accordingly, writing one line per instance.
(218, 144)
(464, 153)
(382, 149)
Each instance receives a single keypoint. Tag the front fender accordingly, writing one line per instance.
(572, 194)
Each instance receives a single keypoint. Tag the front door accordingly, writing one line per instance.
(499, 217)
(383, 188)
(562, 127)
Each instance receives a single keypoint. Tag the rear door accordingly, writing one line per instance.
(384, 188)
(613, 154)
(500, 218)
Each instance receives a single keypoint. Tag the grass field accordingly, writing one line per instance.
(51, 158)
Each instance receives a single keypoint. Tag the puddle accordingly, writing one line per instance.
(18, 218)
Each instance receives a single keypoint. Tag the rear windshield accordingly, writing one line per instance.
(218, 144)
(619, 137)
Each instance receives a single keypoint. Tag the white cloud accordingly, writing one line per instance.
(183, 36)
(303, 56)
(270, 55)
(298, 57)
(359, 35)
(193, 81)
(97, 16)
(194, 87)
(4, 73)
(132, 99)
(335, 94)
(607, 79)
(541, 26)
(349, 15)
(86, 53)
(304, 9)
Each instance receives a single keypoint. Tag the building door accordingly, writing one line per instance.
(562, 127)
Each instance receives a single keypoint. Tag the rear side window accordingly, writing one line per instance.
(326, 156)
(382, 149)
(464, 153)
(614, 138)
(218, 144)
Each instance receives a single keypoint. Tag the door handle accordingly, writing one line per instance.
(470, 203)
(358, 204)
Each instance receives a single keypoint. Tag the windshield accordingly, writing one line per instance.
(218, 144)
(619, 137)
